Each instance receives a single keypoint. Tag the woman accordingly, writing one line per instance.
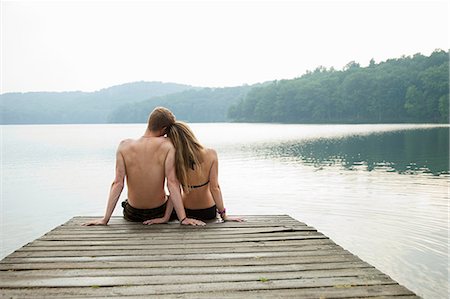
(197, 170)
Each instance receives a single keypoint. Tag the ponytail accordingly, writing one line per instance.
(187, 150)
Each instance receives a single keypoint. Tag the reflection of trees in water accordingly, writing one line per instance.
(408, 151)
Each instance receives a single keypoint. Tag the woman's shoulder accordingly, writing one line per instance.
(210, 153)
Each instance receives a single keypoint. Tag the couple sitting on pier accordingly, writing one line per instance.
(191, 171)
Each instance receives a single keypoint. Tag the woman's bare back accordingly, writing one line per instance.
(199, 196)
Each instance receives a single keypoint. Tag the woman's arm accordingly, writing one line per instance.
(214, 182)
(216, 191)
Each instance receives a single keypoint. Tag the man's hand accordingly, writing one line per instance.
(96, 222)
(155, 221)
(194, 222)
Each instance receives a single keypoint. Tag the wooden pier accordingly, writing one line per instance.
(264, 257)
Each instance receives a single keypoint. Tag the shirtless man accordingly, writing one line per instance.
(146, 163)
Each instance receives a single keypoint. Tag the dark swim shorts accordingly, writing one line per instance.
(202, 214)
(140, 215)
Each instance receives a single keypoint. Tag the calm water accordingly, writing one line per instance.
(380, 191)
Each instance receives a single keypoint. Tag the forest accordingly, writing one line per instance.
(407, 89)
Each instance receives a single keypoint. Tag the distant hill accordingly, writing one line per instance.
(193, 105)
(78, 107)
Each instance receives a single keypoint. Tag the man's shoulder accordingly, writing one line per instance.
(126, 142)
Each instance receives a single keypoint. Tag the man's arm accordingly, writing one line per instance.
(175, 191)
(165, 218)
(115, 191)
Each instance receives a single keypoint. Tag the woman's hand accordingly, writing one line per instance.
(155, 221)
(235, 219)
(96, 222)
(193, 222)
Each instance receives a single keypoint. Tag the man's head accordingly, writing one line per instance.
(160, 119)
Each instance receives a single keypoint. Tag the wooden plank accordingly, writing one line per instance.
(180, 263)
(176, 257)
(107, 231)
(249, 222)
(176, 288)
(373, 292)
(130, 246)
(248, 218)
(184, 270)
(120, 220)
(186, 250)
(193, 236)
(24, 281)
(175, 226)
(266, 256)
(149, 241)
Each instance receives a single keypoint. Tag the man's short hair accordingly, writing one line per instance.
(159, 118)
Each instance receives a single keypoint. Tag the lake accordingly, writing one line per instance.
(379, 191)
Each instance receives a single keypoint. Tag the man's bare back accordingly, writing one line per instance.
(144, 162)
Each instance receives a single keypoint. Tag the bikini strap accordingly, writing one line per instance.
(198, 186)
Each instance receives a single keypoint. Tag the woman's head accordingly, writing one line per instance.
(187, 150)
(160, 118)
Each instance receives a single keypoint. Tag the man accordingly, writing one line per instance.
(146, 163)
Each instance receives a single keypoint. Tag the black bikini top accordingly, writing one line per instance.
(192, 165)
(198, 186)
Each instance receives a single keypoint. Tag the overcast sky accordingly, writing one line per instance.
(87, 45)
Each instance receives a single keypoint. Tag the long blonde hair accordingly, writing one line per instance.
(187, 151)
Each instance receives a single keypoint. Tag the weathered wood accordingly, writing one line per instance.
(256, 221)
(234, 285)
(24, 281)
(107, 231)
(143, 252)
(373, 292)
(210, 245)
(149, 241)
(194, 236)
(4, 265)
(175, 257)
(184, 270)
(266, 256)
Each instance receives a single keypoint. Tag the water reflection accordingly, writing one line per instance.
(411, 152)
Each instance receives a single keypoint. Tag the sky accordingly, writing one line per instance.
(90, 45)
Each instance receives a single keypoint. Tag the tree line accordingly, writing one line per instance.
(408, 89)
